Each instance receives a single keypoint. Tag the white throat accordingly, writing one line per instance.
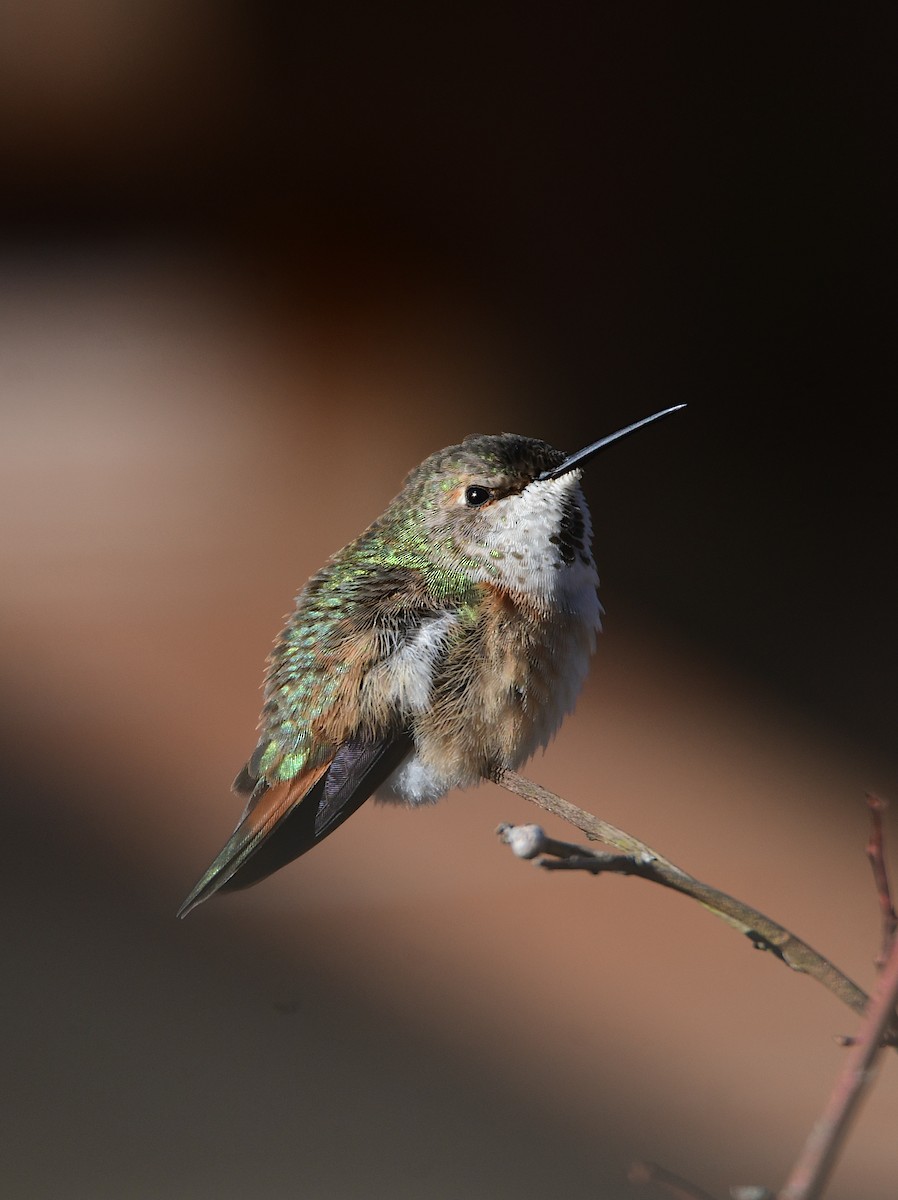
(525, 554)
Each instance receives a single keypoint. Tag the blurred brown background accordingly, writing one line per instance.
(255, 266)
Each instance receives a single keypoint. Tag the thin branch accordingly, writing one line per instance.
(680, 1189)
(763, 933)
(816, 1160)
(876, 854)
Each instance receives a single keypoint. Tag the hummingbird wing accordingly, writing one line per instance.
(358, 770)
(283, 821)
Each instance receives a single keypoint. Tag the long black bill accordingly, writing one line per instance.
(575, 460)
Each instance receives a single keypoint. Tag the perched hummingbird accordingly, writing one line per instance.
(445, 643)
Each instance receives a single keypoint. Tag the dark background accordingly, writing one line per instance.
(421, 224)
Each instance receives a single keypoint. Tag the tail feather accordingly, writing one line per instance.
(283, 821)
(268, 808)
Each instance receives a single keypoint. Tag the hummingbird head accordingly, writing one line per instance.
(486, 509)
(507, 509)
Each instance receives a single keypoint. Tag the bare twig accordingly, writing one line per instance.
(876, 854)
(763, 933)
(680, 1189)
(812, 1169)
(529, 841)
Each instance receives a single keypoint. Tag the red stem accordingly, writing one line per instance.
(816, 1160)
(876, 854)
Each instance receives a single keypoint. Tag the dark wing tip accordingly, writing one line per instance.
(359, 768)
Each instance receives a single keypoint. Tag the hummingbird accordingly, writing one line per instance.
(443, 645)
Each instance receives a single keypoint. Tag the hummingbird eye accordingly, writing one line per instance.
(475, 495)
